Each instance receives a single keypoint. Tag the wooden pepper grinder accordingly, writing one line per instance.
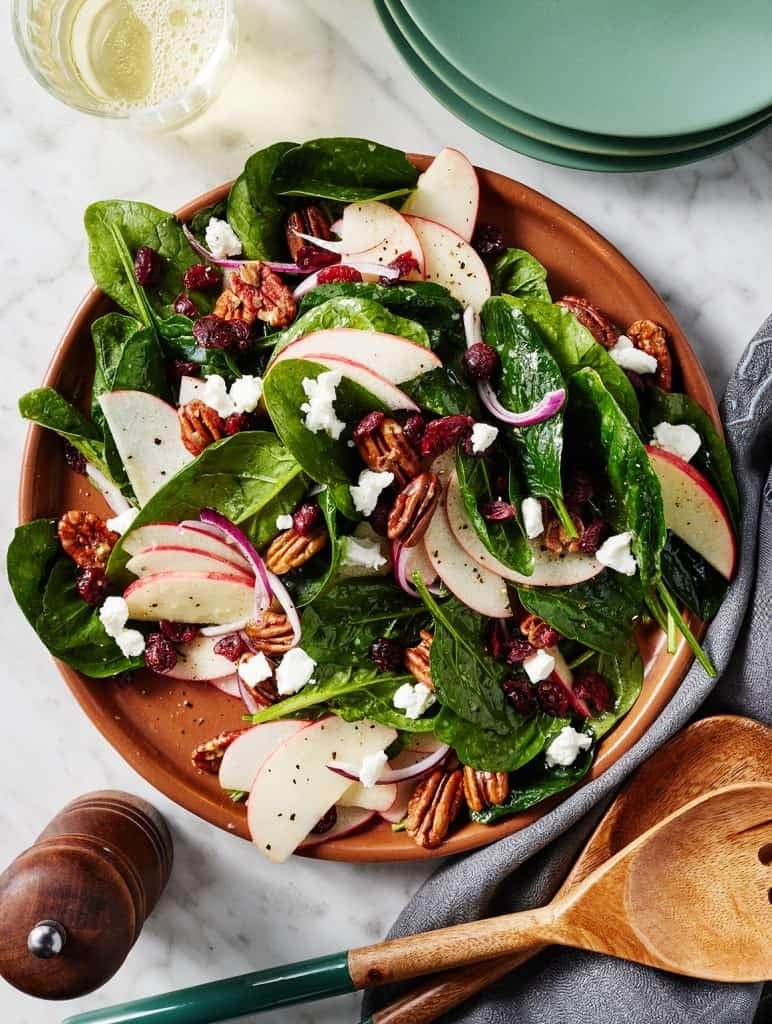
(73, 905)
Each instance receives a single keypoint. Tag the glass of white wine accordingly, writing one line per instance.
(157, 62)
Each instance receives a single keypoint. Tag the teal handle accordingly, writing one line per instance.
(233, 997)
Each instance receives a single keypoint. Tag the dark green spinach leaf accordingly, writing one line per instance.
(345, 170)
(47, 408)
(534, 783)
(691, 578)
(441, 391)
(128, 358)
(519, 273)
(505, 540)
(254, 211)
(623, 672)
(376, 703)
(310, 589)
(493, 751)
(356, 313)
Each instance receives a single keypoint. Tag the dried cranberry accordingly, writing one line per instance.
(147, 266)
(213, 332)
(311, 258)
(517, 650)
(519, 693)
(405, 264)
(179, 368)
(305, 517)
(184, 305)
(480, 361)
(338, 273)
(241, 332)
(74, 459)
(553, 697)
(442, 434)
(580, 489)
(593, 690)
(387, 653)
(160, 655)
(497, 511)
(238, 421)
(178, 632)
(201, 276)
(594, 534)
(488, 240)
(326, 822)
(499, 638)
(637, 381)
(230, 647)
(538, 632)
(413, 428)
(92, 586)
(379, 517)
(368, 425)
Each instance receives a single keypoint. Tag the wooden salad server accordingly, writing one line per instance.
(691, 896)
(706, 755)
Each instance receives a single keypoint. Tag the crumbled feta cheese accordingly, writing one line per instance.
(284, 522)
(532, 517)
(626, 355)
(565, 748)
(414, 700)
(221, 240)
(483, 436)
(616, 554)
(246, 392)
(539, 666)
(678, 438)
(121, 523)
(372, 768)
(114, 614)
(364, 552)
(131, 642)
(215, 394)
(319, 409)
(367, 490)
(294, 671)
(255, 668)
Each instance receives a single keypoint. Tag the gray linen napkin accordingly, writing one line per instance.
(525, 870)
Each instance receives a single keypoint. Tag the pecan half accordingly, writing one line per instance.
(265, 693)
(433, 807)
(413, 508)
(482, 789)
(383, 447)
(200, 426)
(538, 632)
(291, 549)
(310, 220)
(650, 337)
(556, 539)
(208, 756)
(596, 322)
(262, 295)
(86, 539)
(417, 660)
(271, 633)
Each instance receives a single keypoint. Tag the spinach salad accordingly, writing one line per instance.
(368, 478)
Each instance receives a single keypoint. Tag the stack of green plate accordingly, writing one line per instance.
(602, 85)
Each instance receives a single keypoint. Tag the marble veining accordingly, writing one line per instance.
(700, 234)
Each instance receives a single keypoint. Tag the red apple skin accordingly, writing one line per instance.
(722, 555)
(349, 820)
(381, 388)
(323, 343)
(192, 578)
(223, 564)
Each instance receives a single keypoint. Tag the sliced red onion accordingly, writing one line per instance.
(403, 571)
(228, 627)
(281, 594)
(230, 264)
(546, 407)
(363, 266)
(390, 775)
(109, 491)
(263, 592)
(321, 243)
(227, 684)
(247, 696)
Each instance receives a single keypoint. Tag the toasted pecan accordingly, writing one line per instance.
(271, 633)
(413, 509)
(483, 789)
(85, 537)
(417, 660)
(384, 447)
(651, 338)
(597, 323)
(290, 549)
(208, 756)
(200, 426)
(434, 806)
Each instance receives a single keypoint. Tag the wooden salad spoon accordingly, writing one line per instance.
(706, 755)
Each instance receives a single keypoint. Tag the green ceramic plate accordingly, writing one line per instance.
(612, 67)
(534, 127)
(533, 147)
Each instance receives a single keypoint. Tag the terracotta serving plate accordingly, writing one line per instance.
(154, 723)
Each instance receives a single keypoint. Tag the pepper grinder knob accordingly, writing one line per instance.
(73, 904)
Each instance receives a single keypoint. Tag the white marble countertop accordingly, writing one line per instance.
(700, 234)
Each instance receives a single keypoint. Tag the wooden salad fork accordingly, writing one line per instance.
(706, 755)
(690, 895)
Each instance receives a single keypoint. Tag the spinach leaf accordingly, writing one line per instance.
(624, 674)
(534, 783)
(311, 589)
(691, 578)
(713, 457)
(505, 540)
(338, 686)
(491, 751)
(426, 302)
(360, 314)
(375, 702)
(240, 476)
(199, 222)
(528, 372)
(254, 211)
(573, 348)
(346, 170)
(43, 582)
(47, 408)
(176, 337)
(442, 391)
(128, 357)
(599, 613)
(519, 273)
(634, 495)
(138, 224)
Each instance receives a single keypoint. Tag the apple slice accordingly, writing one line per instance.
(203, 598)
(451, 261)
(397, 358)
(371, 799)
(398, 809)
(294, 789)
(198, 662)
(190, 389)
(176, 558)
(377, 233)
(379, 387)
(694, 511)
(347, 820)
(549, 570)
(447, 192)
(244, 758)
(146, 432)
(480, 589)
(161, 535)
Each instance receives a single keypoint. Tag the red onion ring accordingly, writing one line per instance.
(400, 556)
(281, 594)
(228, 264)
(390, 775)
(227, 627)
(363, 266)
(263, 591)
